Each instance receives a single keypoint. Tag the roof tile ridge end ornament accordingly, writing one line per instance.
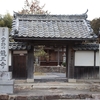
(18, 15)
(15, 14)
(85, 14)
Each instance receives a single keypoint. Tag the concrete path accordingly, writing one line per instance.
(47, 77)
(50, 75)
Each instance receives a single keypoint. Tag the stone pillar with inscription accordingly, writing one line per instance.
(6, 82)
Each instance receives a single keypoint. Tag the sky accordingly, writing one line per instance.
(63, 7)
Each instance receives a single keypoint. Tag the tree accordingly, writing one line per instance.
(6, 21)
(2, 24)
(95, 24)
(33, 7)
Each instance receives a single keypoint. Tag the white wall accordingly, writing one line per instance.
(20, 52)
(97, 58)
(10, 58)
(84, 58)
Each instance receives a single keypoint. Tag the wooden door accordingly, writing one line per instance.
(19, 67)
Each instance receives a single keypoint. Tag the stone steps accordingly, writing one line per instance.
(47, 97)
(54, 97)
(58, 85)
(57, 90)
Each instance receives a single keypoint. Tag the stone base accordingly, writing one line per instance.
(5, 75)
(30, 80)
(6, 86)
(72, 80)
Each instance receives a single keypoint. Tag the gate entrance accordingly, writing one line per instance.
(19, 66)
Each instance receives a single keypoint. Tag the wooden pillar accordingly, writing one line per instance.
(67, 70)
(70, 64)
(94, 72)
(99, 60)
(30, 65)
(58, 58)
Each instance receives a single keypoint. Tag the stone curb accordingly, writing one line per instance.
(58, 86)
(47, 97)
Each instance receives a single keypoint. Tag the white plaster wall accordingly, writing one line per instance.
(97, 58)
(9, 58)
(20, 52)
(84, 58)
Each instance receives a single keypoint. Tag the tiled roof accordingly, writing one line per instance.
(86, 47)
(52, 26)
(19, 46)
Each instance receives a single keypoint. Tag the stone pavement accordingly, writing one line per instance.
(54, 90)
(58, 90)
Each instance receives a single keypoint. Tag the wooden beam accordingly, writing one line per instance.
(48, 38)
(50, 42)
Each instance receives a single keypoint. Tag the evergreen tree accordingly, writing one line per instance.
(95, 24)
(6, 21)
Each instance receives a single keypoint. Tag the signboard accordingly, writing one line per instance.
(4, 44)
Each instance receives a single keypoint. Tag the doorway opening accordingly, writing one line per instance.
(51, 65)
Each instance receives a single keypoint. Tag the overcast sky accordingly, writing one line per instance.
(65, 7)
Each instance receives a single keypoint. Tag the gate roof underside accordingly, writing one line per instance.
(88, 46)
(19, 46)
(25, 46)
(51, 27)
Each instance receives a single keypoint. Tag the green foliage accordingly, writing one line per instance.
(95, 24)
(40, 52)
(1, 21)
(64, 64)
(6, 21)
